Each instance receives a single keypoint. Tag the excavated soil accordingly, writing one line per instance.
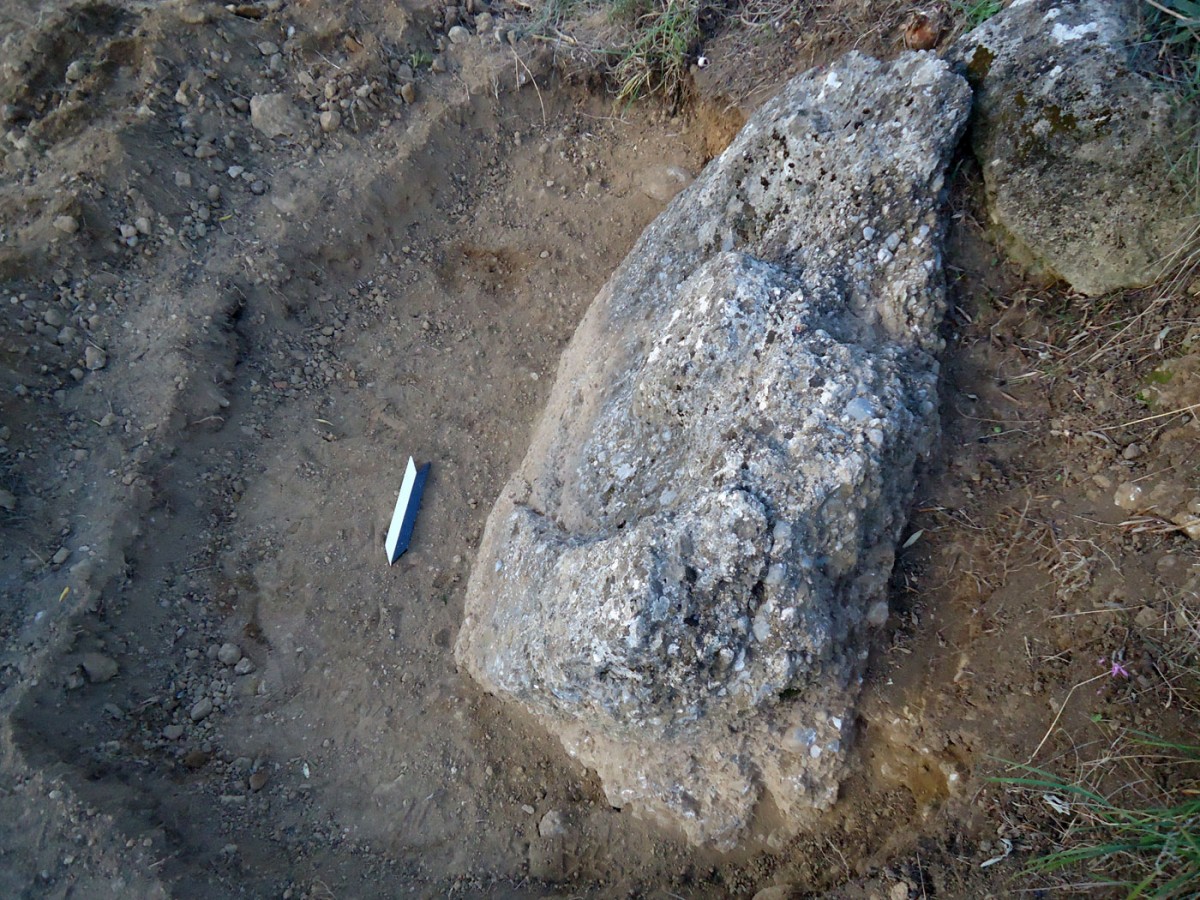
(218, 350)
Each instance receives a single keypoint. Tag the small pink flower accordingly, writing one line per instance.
(1117, 670)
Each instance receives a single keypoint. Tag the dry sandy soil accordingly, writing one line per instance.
(218, 350)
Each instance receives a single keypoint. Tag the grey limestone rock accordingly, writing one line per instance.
(275, 115)
(678, 580)
(98, 667)
(1079, 150)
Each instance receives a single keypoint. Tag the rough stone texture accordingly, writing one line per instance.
(275, 115)
(677, 580)
(98, 667)
(1077, 148)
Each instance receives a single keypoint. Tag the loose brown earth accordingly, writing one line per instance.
(404, 285)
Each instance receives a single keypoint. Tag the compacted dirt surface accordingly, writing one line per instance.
(254, 257)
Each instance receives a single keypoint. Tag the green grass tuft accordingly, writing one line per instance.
(647, 45)
(663, 34)
(976, 12)
(1149, 850)
(1174, 26)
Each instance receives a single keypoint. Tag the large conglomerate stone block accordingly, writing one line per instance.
(679, 580)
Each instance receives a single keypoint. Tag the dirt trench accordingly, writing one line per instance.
(403, 292)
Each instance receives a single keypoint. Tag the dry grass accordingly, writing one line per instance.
(1128, 812)
(647, 47)
(1080, 368)
(819, 30)
(644, 46)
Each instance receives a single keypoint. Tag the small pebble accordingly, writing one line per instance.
(66, 224)
(331, 120)
(196, 758)
(1129, 495)
(98, 668)
(201, 709)
(552, 825)
(229, 654)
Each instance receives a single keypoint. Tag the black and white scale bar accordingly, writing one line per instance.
(405, 516)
